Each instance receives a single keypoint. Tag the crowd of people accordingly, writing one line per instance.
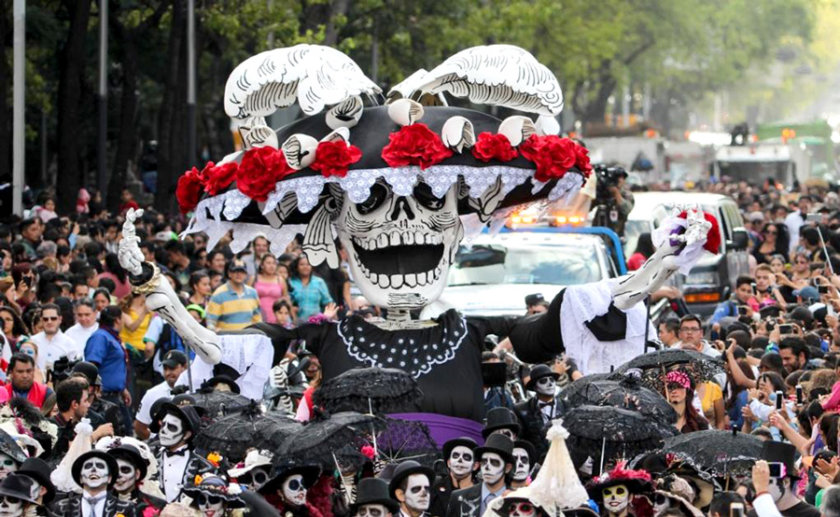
(94, 423)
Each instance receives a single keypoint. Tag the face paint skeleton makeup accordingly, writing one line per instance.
(461, 461)
(126, 476)
(492, 468)
(293, 490)
(546, 386)
(171, 430)
(372, 510)
(417, 493)
(254, 479)
(95, 473)
(616, 499)
(210, 506)
(522, 464)
(10, 506)
(522, 509)
(660, 504)
(7, 465)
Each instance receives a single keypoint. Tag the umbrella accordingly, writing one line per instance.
(719, 453)
(700, 367)
(233, 435)
(624, 392)
(316, 441)
(406, 440)
(608, 432)
(220, 403)
(370, 390)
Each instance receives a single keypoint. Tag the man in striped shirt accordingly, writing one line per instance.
(233, 305)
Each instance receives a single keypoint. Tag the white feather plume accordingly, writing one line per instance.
(499, 75)
(314, 76)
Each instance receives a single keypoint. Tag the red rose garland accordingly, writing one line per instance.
(713, 237)
(334, 158)
(415, 145)
(218, 178)
(552, 155)
(582, 160)
(260, 170)
(491, 146)
(188, 191)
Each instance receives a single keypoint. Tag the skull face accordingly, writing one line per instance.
(492, 468)
(522, 509)
(254, 479)
(210, 505)
(616, 498)
(461, 461)
(546, 386)
(10, 506)
(7, 465)
(661, 504)
(522, 464)
(95, 473)
(293, 490)
(171, 430)
(372, 510)
(417, 492)
(400, 248)
(126, 476)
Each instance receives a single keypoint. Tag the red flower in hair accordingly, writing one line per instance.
(491, 146)
(188, 191)
(260, 170)
(713, 237)
(218, 178)
(334, 158)
(552, 155)
(368, 451)
(415, 145)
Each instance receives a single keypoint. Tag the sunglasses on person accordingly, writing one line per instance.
(771, 232)
(202, 499)
(49, 318)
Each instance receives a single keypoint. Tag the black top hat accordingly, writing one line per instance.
(40, 471)
(76, 469)
(222, 374)
(20, 486)
(406, 469)
(131, 454)
(778, 452)
(529, 448)
(187, 414)
(455, 442)
(500, 418)
(498, 443)
(374, 491)
(538, 372)
(287, 468)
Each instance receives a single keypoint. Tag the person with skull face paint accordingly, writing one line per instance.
(213, 497)
(460, 462)
(96, 472)
(525, 457)
(11, 455)
(288, 488)
(537, 412)
(18, 495)
(615, 490)
(496, 459)
(131, 471)
(373, 500)
(176, 427)
(253, 472)
(411, 485)
(39, 472)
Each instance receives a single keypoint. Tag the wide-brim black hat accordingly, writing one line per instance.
(132, 455)
(187, 414)
(405, 469)
(233, 209)
(214, 486)
(374, 491)
(40, 471)
(220, 379)
(538, 372)
(19, 486)
(283, 470)
(76, 469)
(455, 442)
(498, 443)
(500, 418)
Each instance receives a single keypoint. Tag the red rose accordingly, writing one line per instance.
(218, 178)
(713, 237)
(490, 146)
(334, 158)
(415, 145)
(582, 160)
(260, 170)
(552, 155)
(188, 191)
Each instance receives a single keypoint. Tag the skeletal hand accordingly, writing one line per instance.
(696, 229)
(130, 255)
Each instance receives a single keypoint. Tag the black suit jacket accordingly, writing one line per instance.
(533, 428)
(465, 502)
(71, 506)
(441, 493)
(196, 465)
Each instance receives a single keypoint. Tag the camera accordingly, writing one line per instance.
(742, 310)
(785, 329)
(780, 400)
(799, 395)
(777, 469)
(607, 177)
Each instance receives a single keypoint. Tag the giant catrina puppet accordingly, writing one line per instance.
(400, 186)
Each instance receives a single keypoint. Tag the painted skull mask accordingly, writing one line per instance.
(522, 464)
(294, 490)
(7, 465)
(210, 505)
(418, 492)
(546, 386)
(126, 476)
(616, 498)
(521, 509)
(171, 430)
(10, 506)
(400, 247)
(95, 473)
(372, 510)
(492, 468)
(461, 461)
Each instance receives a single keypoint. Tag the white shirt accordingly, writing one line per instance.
(51, 350)
(152, 395)
(172, 473)
(765, 507)
(80, 335)
(794, 222)
(99, 509)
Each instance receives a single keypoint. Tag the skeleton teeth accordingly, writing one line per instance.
(437, 272)
(384, 281)
(408, 238)
(421, 278)
(418, 238)
(395, 239)
(396, 281)
(411, 280)
(382, 241)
